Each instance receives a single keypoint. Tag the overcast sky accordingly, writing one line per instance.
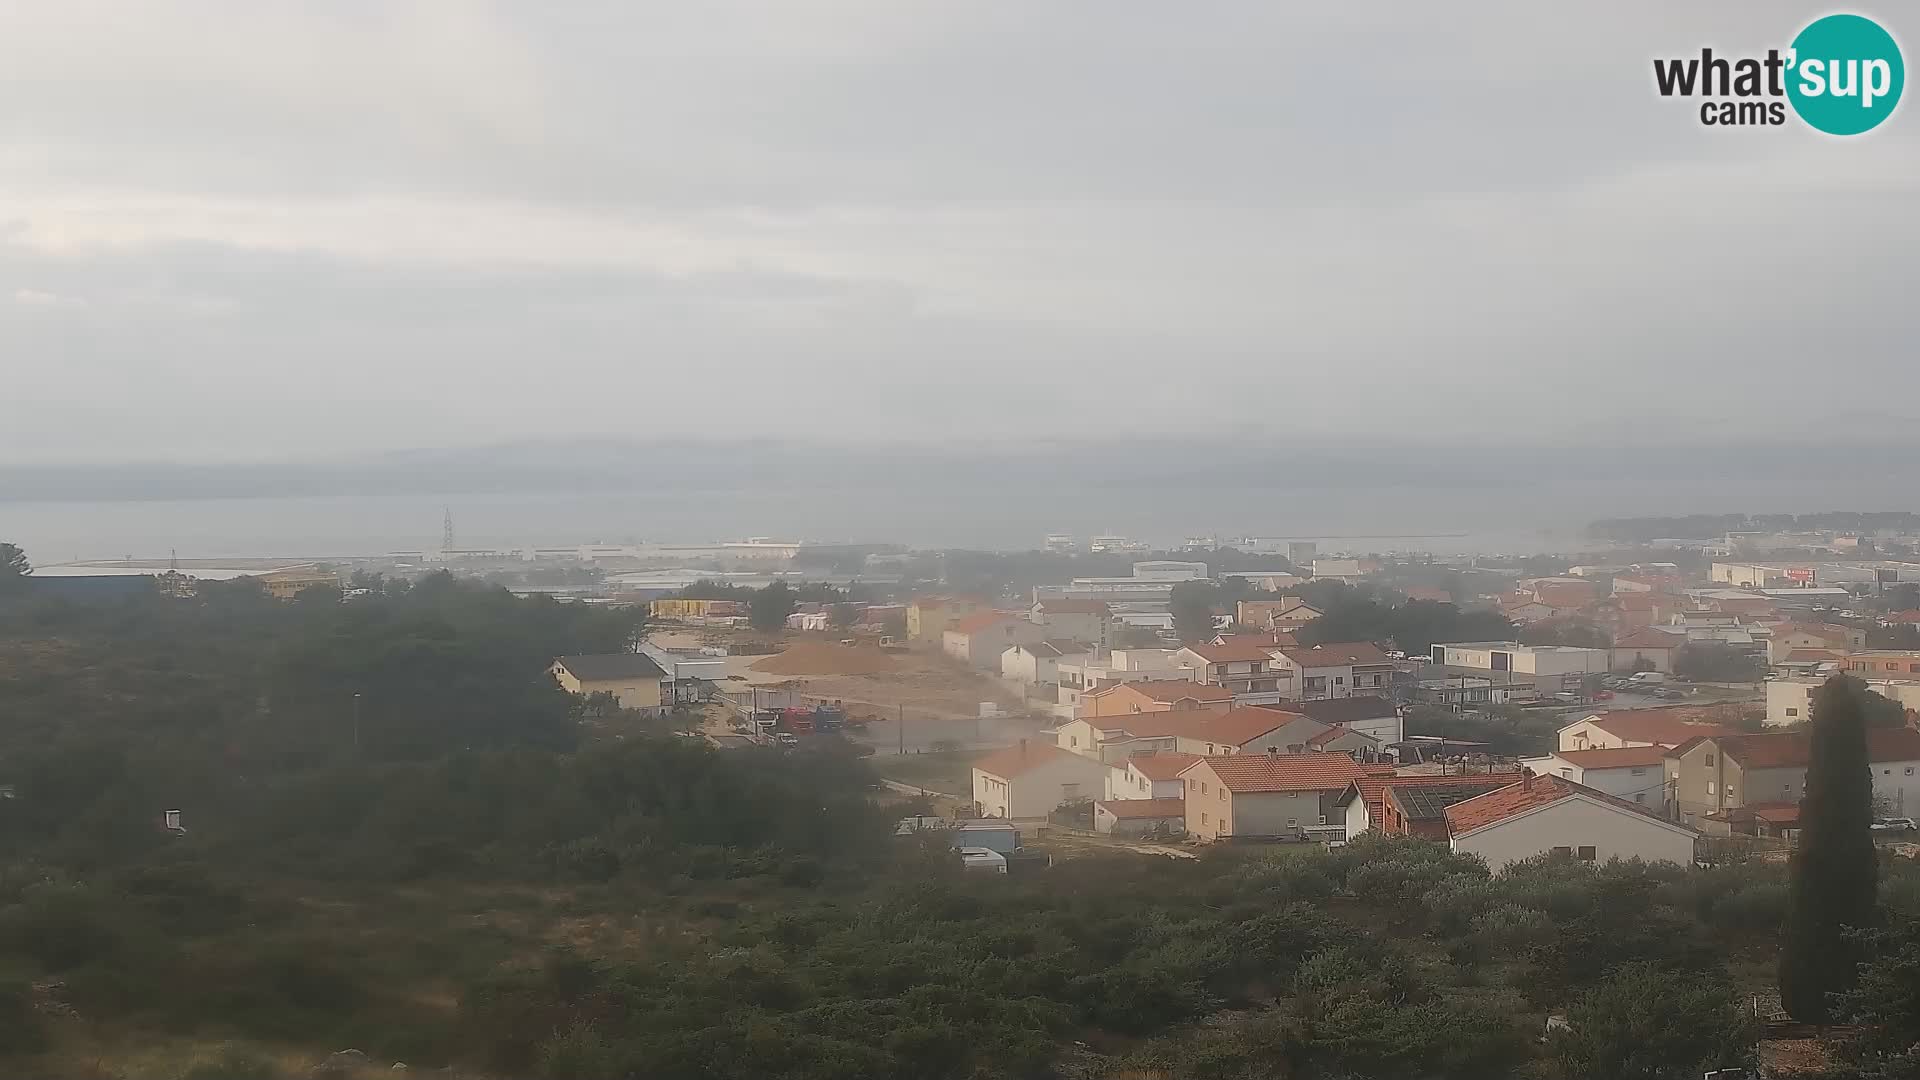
(257, 230)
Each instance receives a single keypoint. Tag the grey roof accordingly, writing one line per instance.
(1429, 803)
(604, 666)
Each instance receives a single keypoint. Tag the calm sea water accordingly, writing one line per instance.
(349, 525)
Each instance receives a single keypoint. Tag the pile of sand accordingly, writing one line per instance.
(825, 658)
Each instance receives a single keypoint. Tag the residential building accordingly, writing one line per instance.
(1337, 669)
(1079, 676)
(1191, 731)
(1140, 817)
(1149, 776)
(1029, 780)
(1090, 621)
(1883, 664)
(1635, 773)
(1551, 669)
(928, 617)
(1716, 773)
(1244, 664)
(1039, 662)
(1154, 695)
(1357, 745)
(1790, 700)
(1265, 796)
(980, 638)
(632, 678)
(1368, 714)
(1468, 691)
(1537, 815)
(684, 609)
(1668, 726)
(1285, 615)
(1347, 570)
(1646, 649)
(1803, 635)
(1411, 805)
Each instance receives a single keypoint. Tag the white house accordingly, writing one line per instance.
(1148, 776)
(1637, 774)
(1028, 780)
(1335, 670)
(1667, 727)
(1540, 814)
(979, 639)
(1039, 661)
(1369, 714)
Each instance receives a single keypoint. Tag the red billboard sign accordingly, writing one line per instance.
(1802, 574)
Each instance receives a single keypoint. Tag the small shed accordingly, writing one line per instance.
(1140, 817)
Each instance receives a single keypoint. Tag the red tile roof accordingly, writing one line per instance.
(1635, 757)
(1373, 788)
(1793, 749)
(1135, 809)
(1255, 773)
(1773, 813)
(1649, 638)
(1337, 654)
(980, 620)
(1240, 647)
(1163, 766)
(1911, 616)
(1528, 794)
(1023, 757)
(1668, 726)
(1170, 690)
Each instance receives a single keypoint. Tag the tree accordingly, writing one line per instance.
(1573, 632)
(1710, 661)
(770, 607)
(14, 568)
(1643, 1023)
(1192, 606)
(1136, 637)
(1834, 873)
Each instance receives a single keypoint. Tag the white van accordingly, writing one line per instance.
(1648, 678)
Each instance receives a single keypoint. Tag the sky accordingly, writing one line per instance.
(273, 231)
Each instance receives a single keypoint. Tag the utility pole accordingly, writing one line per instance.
(356, 723)
(903, 730)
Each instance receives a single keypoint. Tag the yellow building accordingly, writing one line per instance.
(632, 678)
(930, 617)
(697, 609)
(287, 584)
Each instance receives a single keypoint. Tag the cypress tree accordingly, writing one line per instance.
(1835, 869)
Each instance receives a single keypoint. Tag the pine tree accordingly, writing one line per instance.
(1835, 869)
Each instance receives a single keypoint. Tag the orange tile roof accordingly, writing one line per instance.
(1235, 727)
(1163, 766)
(1635, 757)
(1245, 774)
(1023, 757)
(1528, 794)
(1170, 690)
(1793, 749)
(1668, 726)
(1337, 654)
(1912, 616)
(1134, 809)
(1805, 656)
(980, 620)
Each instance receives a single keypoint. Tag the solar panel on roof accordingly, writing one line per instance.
(1430, 803)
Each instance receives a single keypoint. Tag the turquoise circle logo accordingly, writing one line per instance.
(1846, 74)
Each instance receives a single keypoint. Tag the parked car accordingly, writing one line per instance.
(1893, 824)
(787, 738)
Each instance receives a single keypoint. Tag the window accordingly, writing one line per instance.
(1640, 797)
(1203, 787)
(1639, 770)
(1223, 794)
(1709, 787)
(1293, 823)
(1203, 817)
(1563, 850)
(1793, 712)
(1909, 770)
(1073, 740)
(1339, 680)
(1323, 819)
(1587, 854)
(1709, 759)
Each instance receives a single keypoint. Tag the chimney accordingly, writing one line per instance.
(1526, 778)
(1273, 751)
